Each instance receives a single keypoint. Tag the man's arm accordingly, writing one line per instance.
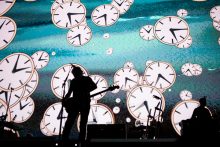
(69, 91)
(92, 85)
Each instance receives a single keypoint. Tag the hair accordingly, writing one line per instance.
(202, 101)
(77, 71)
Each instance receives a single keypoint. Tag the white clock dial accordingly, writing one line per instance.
(160, 75)
(126, 78)
(8, 30)
(13, 97)
(105, 15)
(59, 77)
(52, 118)
(197, 69)
(187, 69)
(128, 65)
(216, 25)
(215, 13)
(41, 59)
(99, 114)
(145, 100)
(171, 30)
(182, 111)
(147, 32)
(69, 14)
(15, 71)
(79, 35)
(101, 84)
(121, 5)
(3, 110)
(5, 6)
(31, 85)
(185, 95)
(185, 44)
(23, 110)
(182, 13)
(43, 129)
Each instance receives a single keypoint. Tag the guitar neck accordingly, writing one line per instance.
(99, 92)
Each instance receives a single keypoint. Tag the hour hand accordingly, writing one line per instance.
(40, 59)
(2, 25)
(70, 14)
(14, 70)
(172, 30)
(161, 76)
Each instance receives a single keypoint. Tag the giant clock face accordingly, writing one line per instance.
(105, 15)
(101, 84)
(145, 100)
(52, 118)
(99, 114)
(13, 97)
(41, 59)
(23, 110)
(126, 78)
(69, 14)
(160, 75)
(15, 71)
(121, 5)
(8, 30)
(215, 13)
(182, 111)
(147, 32)
(60, 76)
(171, 30)
(79, 35)
(5, 6)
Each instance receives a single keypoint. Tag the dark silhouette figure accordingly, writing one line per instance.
(80, 86)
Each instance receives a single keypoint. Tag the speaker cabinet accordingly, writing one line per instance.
(109, 131)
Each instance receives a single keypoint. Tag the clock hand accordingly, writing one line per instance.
(128, 79)
(80, 39)
(40, 59)
(189, 71)
(104, 15)
(22, 107)
(146, 105)
(76, 36)
(14, 70)
(160, 76)
(93, 117)
(172, 30)
(70, 14)
(59, 116)
(2, 25)
(148, 31)
(97, 82)
(141, 105)
(119, 3)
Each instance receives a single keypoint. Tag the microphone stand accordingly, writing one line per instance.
(61, 111)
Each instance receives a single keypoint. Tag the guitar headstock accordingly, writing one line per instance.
(111, 88)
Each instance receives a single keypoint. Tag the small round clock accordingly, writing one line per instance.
(197, 69)
(101, 84)
(52, 117)
(8, 29)
(121, 5)
(182, 13)
(216, 25)
(43, 129)
(144, 101)
(5, 6)
(16, 70)
(171, 30)
(41, 59)
(59, 77)
(185, 44)
(105, 15)
(160, 75)
(23, 110)
(99, 114)
(185, 95)
(126, 78)
(14, 96)
(187, 69)
(79, 35)
(215, 13)
(147, 32)
(69, 14)
(182, 111)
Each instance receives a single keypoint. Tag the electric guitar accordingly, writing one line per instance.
(68, 103)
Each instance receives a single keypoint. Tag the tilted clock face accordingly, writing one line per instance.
(126, 78)
(185, 44)
(23, 110)
(79, 35)
(5, 6)
(43, 129)
(59, 77)
(182, 13)
(185, 95)
(101, 84)
(105, 15)
(171, 30)
(187, 69)
(15, 71)
(160, 75)
(182, 111)
(197, 69)
(41, 59)
(147, 32)
(8, 30)
(121, 5)
(144, 101)
(69, 14)
(13, 97)
(52, 118)
(215, 13)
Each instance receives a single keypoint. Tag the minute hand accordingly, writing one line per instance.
(172, 30)
(70, 14)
